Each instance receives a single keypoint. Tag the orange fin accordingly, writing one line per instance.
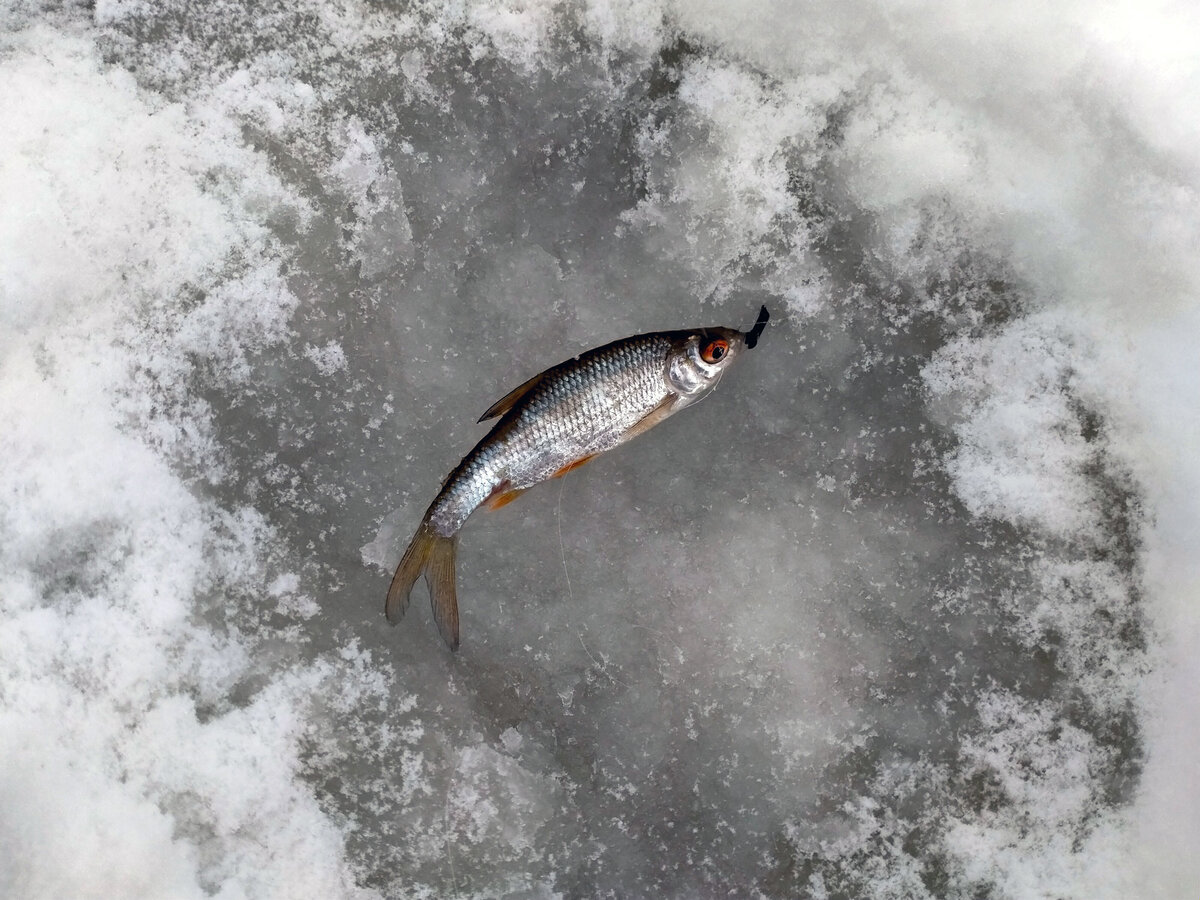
(502, 495)
(432, 555)
(583, 460)
(509, 400)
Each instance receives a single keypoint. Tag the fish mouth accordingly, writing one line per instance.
(753, 334)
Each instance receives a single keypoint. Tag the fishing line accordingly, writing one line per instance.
(562, 551)
(712, 390)
(449, 843)
(754, 333)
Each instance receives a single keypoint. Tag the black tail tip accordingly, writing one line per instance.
(753, 333)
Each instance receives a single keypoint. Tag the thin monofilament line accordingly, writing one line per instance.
(562, 552)
(711, 390)
(561, 548)
(449, 843)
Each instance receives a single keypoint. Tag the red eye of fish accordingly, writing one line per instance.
(714, 351)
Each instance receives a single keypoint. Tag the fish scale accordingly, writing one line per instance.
(558, 420)
(579, 409)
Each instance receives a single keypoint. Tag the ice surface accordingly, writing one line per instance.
(905, 609)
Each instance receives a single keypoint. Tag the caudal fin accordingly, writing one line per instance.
(433, 555)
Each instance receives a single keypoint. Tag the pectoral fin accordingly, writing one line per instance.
(574, 465)
(652, 418)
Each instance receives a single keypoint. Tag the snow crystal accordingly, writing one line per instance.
(904, 609)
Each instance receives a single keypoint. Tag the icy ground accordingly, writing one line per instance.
(906, 609)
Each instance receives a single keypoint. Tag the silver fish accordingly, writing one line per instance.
(555, 422)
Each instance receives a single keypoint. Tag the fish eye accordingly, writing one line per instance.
(714, 351)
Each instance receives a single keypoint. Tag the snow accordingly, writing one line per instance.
(906, 608)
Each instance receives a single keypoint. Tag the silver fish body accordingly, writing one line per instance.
(576, 410)
(554, 422)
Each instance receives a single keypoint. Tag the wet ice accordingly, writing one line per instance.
(875, 619)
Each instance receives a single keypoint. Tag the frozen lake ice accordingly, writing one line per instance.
(905, 608)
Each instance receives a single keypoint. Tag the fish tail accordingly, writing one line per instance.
(430, 554)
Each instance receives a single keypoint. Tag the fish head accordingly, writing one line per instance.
(699, 359)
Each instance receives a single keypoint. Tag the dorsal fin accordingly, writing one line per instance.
(509, 400)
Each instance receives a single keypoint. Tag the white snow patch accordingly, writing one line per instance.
(1022, 454)
(128, 770)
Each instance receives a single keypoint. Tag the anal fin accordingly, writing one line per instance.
(502, 495)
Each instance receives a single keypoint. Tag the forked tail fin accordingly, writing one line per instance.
(433, 555)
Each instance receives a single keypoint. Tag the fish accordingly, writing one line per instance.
(553, 423)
